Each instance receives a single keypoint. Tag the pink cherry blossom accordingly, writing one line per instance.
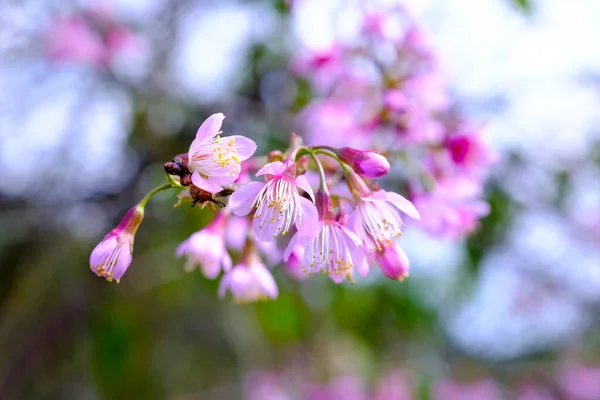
(206, 249)
(277, 202)
(249, 281)
(335, 251)
(216, 161)
(112, 256)
(376, 217)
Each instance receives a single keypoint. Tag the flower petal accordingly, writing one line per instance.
(273, 168)
(103, 250)
(224, 285)
(205, 184)
(290, 248)
(402, 204)
(211, 127)
(302, 183)
(226, 175)
(242, 199)
(265, 280)
(309, 226)
(363, 268)
(244, 147)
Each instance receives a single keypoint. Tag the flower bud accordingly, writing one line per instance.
(368, 164)
(112, 256)
(393, 261)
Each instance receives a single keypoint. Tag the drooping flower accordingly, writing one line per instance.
(206, 249)
(277, 202)
(112, 256)
(335, 251)
(366, 163)
(216, 161)
(249, 281)
(376, 217)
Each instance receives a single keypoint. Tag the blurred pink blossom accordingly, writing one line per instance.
(394, 385)
(206, 249)
(478, 390)
(452, 209)
(580, 382)
(249, 281)
(349, 387)
(71, 38)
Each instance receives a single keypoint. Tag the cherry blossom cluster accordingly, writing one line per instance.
(323, 199)
(93, 37)
(385, 90)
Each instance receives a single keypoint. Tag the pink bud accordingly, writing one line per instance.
(112, 256)
(394, 262)
(366, 163)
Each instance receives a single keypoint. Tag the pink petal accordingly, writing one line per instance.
(226, 261)
(205, 184)
(290, 247)
(302, 183)
(265, 280)
(244, 147)
(224, 285)
(103, 250)
(353, 238)
(275, 168)
(242, 199)
(402, 204)
(211, 267)
(123, 261)
(228, 175)
(355, 223)
(264, 230)
(363, 268)
(210, 128)
(310, 219)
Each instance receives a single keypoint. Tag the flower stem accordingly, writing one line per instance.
(156, 190)
(322, 182)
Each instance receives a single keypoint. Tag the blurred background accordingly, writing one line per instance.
(88, 117)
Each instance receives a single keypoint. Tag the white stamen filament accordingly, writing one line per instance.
(278, 203)
(328, 251)
(381, 222)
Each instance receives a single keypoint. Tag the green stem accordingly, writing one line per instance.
(155, 191)
(326, 152)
